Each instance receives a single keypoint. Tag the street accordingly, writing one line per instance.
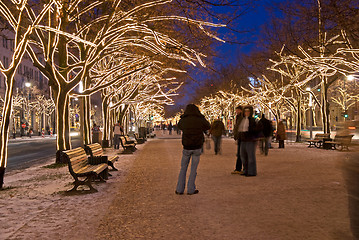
(24, 153)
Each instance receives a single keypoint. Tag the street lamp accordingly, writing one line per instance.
(81, 87)
(28, 85)
(350, 77)
(311, 114)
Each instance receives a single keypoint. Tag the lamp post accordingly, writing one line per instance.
(310, 114)
(28, 85)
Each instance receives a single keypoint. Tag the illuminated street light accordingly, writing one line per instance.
(81, 87)
(350, 77)
(28, 84)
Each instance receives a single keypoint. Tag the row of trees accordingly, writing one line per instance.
(129, 52)
(312, 48)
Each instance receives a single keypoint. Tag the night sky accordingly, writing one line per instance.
(229, 53)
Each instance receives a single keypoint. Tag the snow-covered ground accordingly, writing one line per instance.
(299, 193)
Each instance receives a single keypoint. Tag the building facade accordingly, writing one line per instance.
(29, 85)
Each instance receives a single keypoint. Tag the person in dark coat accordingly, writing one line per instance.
(248, 135)
(281, 134)
(170, 127)
(217, 130)
(239, 117)
(193, 124)
(267, 132)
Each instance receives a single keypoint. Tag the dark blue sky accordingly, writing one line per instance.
(250, 23)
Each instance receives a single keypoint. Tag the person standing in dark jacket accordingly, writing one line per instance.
(248, 136)
(267, 132)
(239, 117)
(281, 134)
(217, 130)
(193, 125)
(170, 127)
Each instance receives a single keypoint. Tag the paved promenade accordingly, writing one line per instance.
(299, 193)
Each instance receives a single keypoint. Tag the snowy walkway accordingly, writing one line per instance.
(299, 193)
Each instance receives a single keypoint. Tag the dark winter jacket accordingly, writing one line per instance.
(281, 134)
(252, 133)
(236, 125)
(266, 127)
(217, 128)
(193, 124)
(253, 130)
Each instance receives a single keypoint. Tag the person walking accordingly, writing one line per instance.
(96, 134)
(117, 132)
(267, 131)
(239, 117)
(170, 127)
(248, 136)
(281, 135)
(216, 131)
(193, 124)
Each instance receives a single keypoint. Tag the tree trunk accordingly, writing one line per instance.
(112, 122)
(67, 125)
(122, 114)
(105, 116)
(4, 126)
(298, 137)
(325, 106)
(86, 120)
(62, 125)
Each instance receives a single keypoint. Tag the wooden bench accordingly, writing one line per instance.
(340, 142)
(129, 141)
(96, 153)
(138, 139)
(318, 140)
(80, 167)
(128, 148)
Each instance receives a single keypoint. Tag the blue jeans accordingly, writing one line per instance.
(265, 145)
(186, 157)
(248, 156)
(239, 161)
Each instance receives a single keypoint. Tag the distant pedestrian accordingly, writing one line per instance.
(193, 125)
(30, 132)
(95, 128)
(239, 117)
(248, 136)
(216, 131)
(177, 129)
(170, 127)
(281, 135)
(96, 134)
(267, 132)
(117, 132)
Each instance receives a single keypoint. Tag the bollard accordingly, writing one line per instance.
(43, 133)
(51, 134)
